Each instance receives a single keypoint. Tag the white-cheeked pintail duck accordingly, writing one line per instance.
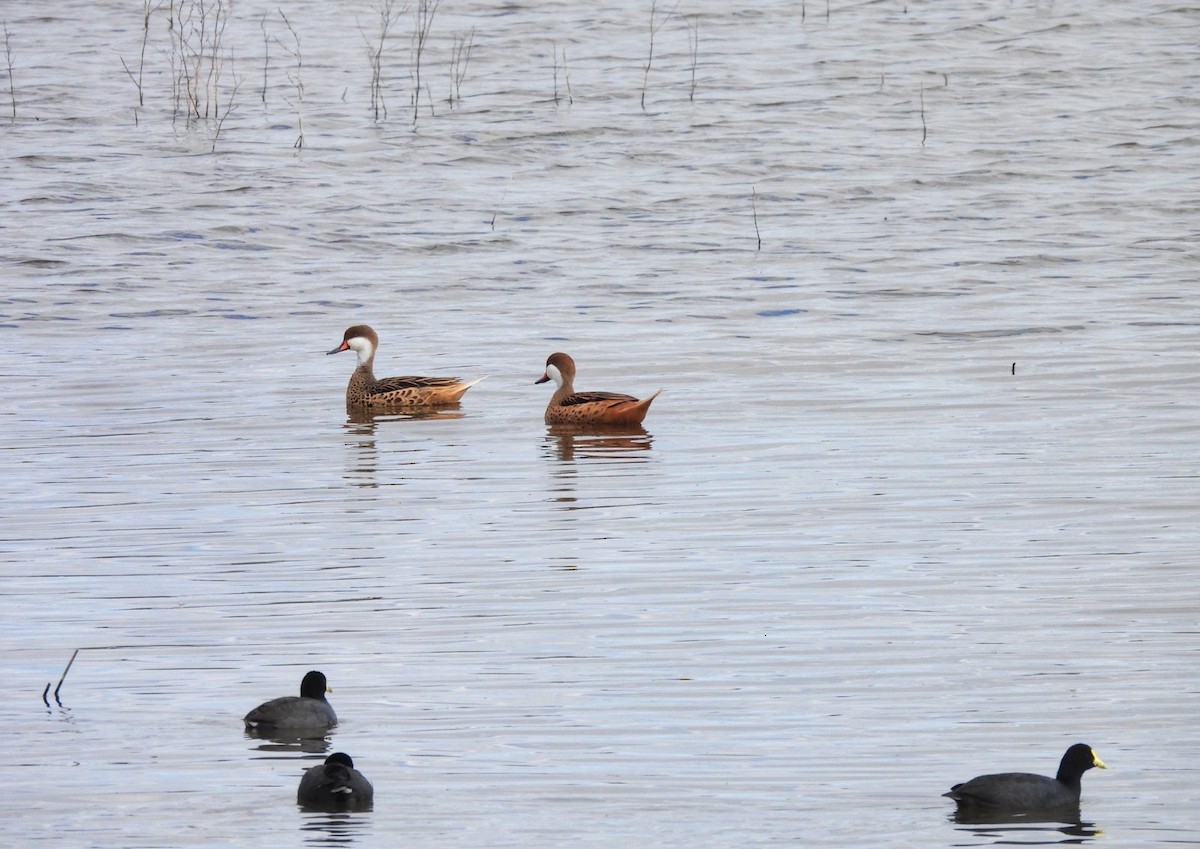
(365, 391)
(569, 407)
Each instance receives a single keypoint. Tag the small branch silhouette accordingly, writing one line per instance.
(424, 12)
(460, 59)
(754, 211)
(296, 81)
(57, 700)
(693, 25)
(388, 13)
(924, 129)
(655, 26)
(12, 90)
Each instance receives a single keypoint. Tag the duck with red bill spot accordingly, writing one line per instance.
(568, 407)
(365, 391)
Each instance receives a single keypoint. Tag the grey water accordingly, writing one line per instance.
(918, 500)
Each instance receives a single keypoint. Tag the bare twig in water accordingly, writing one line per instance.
(191, 25)
(147, 9)
(424, 13)
(176, 70)
(216, 70)
(262, 24)
(198, 57)
(567, 79)
(693, 25)
(460, 58)
(754, 210)
(296, 81)
(388, 13)
(138, 647)
(216, 63)
(554, 53)
(924, 129)
(500, 203)
(224, 112)
(8, 55)
(566, 76)
(74, 654)
(655, 25)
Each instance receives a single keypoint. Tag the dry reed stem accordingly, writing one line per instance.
(460, 58)
(262, 25)
(388, 14)
(423, 14)
(754, 211)
(198, 58)
(554, 54)
(296, 80)
(693, 25)
(924, 129)
(70, 662)
(12, 90)
(654, 28)
(147, 10)
(221, 114)
(566, 76)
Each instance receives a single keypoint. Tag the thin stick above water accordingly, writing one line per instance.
(70, 662)
(754, 210)
(924, 129)
(655, 25)
(12, 90)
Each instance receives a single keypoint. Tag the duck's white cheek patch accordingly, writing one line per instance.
(555, 374)
(360, 346)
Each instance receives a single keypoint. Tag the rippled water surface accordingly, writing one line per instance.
(918, 500)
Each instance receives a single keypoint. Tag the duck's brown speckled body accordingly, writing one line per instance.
(568, 407)
(365, 391)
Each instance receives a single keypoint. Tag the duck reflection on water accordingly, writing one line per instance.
(578, 442)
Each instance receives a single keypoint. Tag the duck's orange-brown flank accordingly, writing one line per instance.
(588, 408)
(365, 391)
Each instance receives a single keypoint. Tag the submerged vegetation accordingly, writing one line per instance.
(186, 66)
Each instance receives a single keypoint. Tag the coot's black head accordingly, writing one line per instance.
(1078, 760)
(314, 686)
